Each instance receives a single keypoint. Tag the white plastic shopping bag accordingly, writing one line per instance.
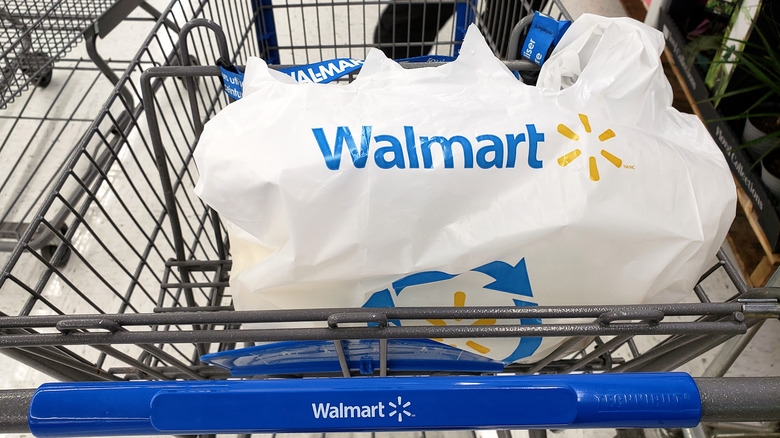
(459, 185)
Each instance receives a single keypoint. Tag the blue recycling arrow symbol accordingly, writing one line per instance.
(512, 279)
(508, 278)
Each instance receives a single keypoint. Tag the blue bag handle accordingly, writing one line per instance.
(319, 72)
(544, 33)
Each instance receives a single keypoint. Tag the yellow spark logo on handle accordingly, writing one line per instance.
(569, 157)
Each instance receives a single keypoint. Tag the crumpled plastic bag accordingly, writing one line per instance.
(459, 185)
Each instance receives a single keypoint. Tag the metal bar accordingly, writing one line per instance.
(194, 285)
(125, 300)
(557, 353)
(198, 71)
(90, 38)
(200, 309)
(196, 241)
(654, 356)
(156, 15)
(739, 398)
(600, 350)
(412, 313)
(113, 352)
(201, 233)
(383, 357)
(732, 271)
(401, 332)
(514, 39)
(178, 181)
(678, 352)
(115, 14)
(76, 369)
(162, 166)
(46, 118)
(38, 358)
(210, 372)
(154, 86)
(632, 347)
(694, 432)
(52, 270)
(185, 56)
(701, 294)
(709, 272)
(14, 405)
(222, 251)
(342, 358)
(175, 363)
(730, 352)
(199, 265)
(142, 256)
(563, 11)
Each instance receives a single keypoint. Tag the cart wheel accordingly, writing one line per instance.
(48, 252)
(37, 67)
(43, 78)
(6, 78)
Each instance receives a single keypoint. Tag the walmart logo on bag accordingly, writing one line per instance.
(325, 71)
(486, 150)
(593, 168)
(321, 73)
(493, 284)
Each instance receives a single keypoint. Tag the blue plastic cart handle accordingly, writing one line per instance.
(366, 404)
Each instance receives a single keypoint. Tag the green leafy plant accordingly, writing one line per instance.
(758, 67)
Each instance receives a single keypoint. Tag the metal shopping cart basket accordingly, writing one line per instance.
(50, 48)
(146, 294)
(38, 33)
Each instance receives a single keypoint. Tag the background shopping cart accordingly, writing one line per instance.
(145, 293)
(36, 34)
(50, 48)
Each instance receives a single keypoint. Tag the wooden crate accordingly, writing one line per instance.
(751, 248)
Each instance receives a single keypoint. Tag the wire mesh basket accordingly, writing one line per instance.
(39, 128)
(146, 293)
(37, 33)
(302, 32)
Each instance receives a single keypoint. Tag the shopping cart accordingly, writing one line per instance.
(38, 33)
(68, 82)
(146, 294)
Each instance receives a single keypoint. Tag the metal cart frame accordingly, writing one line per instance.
(159, 256)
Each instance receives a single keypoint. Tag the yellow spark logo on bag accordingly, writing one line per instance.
(460, 301)
(569, 157)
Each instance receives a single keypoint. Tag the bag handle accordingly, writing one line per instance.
(613, 65)
(318, 72)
